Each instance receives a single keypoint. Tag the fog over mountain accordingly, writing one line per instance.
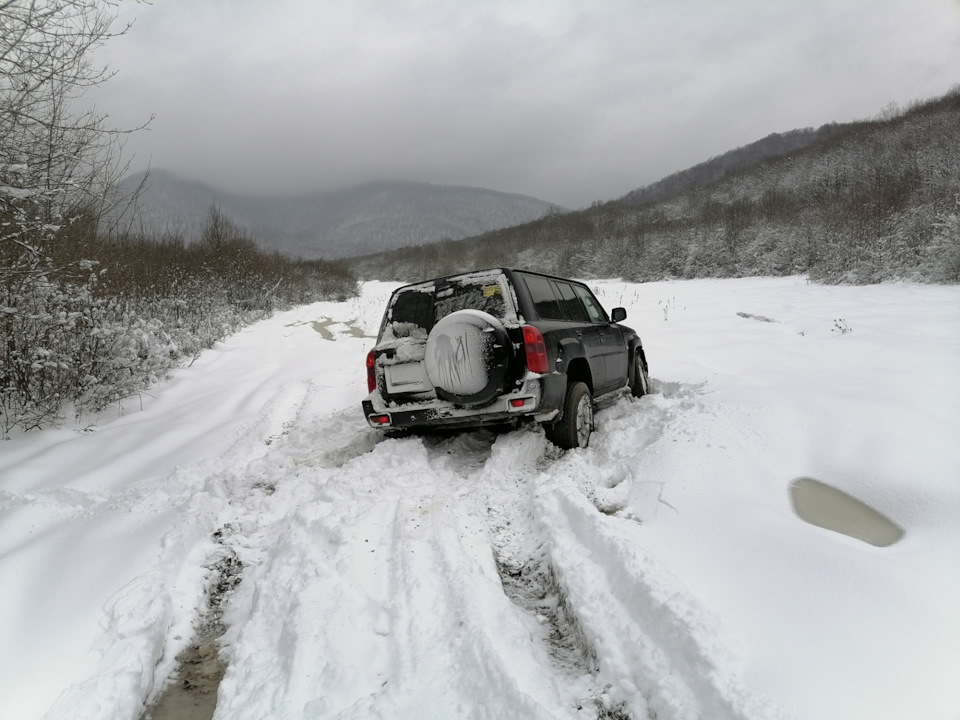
(354, 221)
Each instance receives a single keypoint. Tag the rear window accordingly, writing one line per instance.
(487, 297)
(414, 310)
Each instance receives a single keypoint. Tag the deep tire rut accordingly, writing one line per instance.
(192, 692)
(532, 586)
(519, 547)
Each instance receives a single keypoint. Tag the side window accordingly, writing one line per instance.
(594, 309)
(572, 309)
(545, 302)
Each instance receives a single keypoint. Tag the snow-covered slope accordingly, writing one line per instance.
(660, 572)
(353, 221)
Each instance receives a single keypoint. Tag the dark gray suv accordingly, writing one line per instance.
(498, 346)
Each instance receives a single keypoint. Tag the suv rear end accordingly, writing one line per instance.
(485, 366)
(497, 346)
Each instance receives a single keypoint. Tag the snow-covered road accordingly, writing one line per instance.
(660, 573)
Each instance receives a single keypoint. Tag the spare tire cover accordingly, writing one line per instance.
(467, 357)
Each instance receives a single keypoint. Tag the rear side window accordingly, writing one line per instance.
(594, 308)
(572, 309)
(545, 301)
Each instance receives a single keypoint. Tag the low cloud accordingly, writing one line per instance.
(567, 101)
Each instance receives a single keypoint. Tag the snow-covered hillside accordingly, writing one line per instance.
(661, 572)
(368, 218)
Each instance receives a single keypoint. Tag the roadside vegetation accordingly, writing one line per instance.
(90, 312)
(864, 202)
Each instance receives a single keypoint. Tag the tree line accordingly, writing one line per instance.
(859, 203)
(90, 312)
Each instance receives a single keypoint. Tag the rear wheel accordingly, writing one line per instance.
(574, 428)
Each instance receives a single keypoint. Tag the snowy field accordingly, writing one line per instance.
(661, 572)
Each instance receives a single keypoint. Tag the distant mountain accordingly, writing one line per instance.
(369, 218)
(861, 202)
(772, 146)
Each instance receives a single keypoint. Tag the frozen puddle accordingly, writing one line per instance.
(827, 507)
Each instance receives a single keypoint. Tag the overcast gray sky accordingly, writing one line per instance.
(569, 101)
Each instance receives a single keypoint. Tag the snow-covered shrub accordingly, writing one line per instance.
(64, 345)
(87, 334)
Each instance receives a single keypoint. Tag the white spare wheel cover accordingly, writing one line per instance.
(467, 357)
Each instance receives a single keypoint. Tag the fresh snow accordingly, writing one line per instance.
(661, 572)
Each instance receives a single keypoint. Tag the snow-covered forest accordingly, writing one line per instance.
(865, 202)
(91, 313)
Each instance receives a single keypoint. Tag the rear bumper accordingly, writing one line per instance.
(540, 397)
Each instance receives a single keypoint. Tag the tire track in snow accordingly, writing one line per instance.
(426, 576)
(500, 475)
(454, 651)
(655, 646)
(505, 488)
(194, 559)
(249, 509)
(659, 653)
(500, 481)
(378, 596)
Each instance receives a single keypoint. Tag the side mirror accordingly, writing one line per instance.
(619, 315)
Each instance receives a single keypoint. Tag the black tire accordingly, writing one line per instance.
(640, 380)
(574, 428)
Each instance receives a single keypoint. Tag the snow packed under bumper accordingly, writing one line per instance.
(540, 397)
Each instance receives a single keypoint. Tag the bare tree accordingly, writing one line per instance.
(56, 158)
(58, 162)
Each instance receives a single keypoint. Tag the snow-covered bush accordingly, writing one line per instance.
(65, 345)
(80, 342)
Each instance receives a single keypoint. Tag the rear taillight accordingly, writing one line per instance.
(535, 349)
(371, 372)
